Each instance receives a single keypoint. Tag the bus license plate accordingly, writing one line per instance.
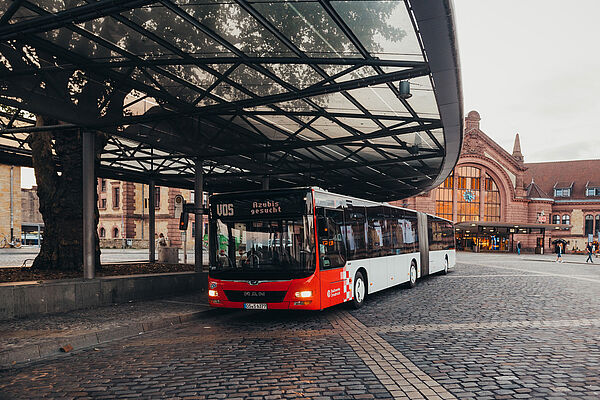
(255, 306)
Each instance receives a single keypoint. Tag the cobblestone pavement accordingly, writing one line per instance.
(497, 327)
(21, 332)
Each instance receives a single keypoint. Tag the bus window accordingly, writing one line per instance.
(404, 231)
(379, 243)
(332, 249)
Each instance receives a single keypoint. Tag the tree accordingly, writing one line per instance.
(88, 94)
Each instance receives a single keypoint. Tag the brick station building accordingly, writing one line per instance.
(124, 214)
(496, 198)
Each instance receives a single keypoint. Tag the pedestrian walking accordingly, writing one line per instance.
(590, 250)
(559, 250)
(519, 247)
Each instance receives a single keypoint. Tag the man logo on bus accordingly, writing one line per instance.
(225, 210)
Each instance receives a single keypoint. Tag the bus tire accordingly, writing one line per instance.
(445, 270)
(412, 280)
(360, 290)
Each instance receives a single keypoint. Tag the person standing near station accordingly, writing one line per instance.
(559, 250)
(519, 247)
(589, 252)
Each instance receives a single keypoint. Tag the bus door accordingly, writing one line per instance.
(332, 253)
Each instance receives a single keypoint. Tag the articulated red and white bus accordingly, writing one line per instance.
(310, 249)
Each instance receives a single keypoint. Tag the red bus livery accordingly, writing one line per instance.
(310, 249)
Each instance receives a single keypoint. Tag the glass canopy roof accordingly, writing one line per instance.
(305, 92)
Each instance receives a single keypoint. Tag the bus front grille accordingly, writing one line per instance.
(255, 296)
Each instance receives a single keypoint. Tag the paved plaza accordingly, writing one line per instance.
(497, 327)
(26, 255)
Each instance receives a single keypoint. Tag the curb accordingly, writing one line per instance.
(566, 262)
(33, 352)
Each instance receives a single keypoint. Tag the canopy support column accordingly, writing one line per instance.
(198, 215)
(89, 197)
(151, 221)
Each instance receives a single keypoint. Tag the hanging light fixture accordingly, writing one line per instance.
(404, 90)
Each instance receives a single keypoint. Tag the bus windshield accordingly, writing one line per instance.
(270, 248)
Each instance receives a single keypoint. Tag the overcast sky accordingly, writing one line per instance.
(533, 67)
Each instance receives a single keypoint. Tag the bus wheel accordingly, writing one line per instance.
(445, 271)
(360, 290)
(413, 275)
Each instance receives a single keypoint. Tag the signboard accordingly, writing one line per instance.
(260, 206)
(179, 204)
(541, 218)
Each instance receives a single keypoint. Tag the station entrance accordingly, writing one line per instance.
(479, 236)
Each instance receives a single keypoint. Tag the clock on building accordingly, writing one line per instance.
(469, 196)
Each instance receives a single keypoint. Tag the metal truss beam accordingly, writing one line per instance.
(355, 62)
(276, 98)
(48, 22)
(304, 144)
(327, 166)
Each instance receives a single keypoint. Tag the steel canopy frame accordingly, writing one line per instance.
(306, 108)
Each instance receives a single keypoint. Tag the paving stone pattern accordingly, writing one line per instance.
(21, 332)
(495, 328)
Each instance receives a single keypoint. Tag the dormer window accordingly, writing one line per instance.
(563, 189)
(565, 192)
(592, 189)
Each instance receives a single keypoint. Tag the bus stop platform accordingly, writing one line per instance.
(30, 339)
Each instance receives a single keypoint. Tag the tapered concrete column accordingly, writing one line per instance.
(89, 197)
(265, 182)
(151, 221)
(198, 215)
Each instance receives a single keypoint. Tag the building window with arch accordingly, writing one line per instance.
(115, 233)
(556, 219)
(102, 232)
(468, 184)
(589, 224)
(566, 219)
(468, 193)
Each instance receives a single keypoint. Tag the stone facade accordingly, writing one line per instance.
(123, 209)
(124, 218)
(526, 190)
(10, 202)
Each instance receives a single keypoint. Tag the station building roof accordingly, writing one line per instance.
(303, 92)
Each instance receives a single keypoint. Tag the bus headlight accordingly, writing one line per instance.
(213, 293)
(304, 294)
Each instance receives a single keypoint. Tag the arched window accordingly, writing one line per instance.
(468, 182)
(589, 224)
(115, 233)
(102, 232)
(464, 185)
(556, 219)
(566, 219)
